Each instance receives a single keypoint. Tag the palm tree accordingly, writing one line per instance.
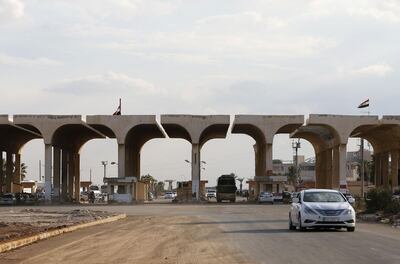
(241, 184)
(23, 171)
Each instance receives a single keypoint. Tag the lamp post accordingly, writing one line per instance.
(104, 163)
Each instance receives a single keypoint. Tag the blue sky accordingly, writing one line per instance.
(197, 57)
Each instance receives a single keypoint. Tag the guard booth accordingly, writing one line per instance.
(121, 190)
(126, 190)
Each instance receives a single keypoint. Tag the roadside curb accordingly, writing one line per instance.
(7, 246)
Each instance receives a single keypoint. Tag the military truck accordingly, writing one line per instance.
(226, 188)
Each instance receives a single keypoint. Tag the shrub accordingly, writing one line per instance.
(393, 207)
(378, 199)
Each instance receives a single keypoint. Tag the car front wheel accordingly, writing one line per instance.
(302, 228)
(351, 229)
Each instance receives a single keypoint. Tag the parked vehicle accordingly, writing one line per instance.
(151, 196)
(84, 197)
(226, 188)
(266, 197)
(169, 195)
(211, 194)
(278, 197)
(29, 199)
(8, 199)
(321, 208)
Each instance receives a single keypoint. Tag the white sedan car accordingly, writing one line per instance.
(320, 208)
(266, 197)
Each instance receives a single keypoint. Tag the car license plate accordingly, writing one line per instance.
(331, 219)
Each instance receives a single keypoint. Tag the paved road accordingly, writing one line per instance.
(260, 234)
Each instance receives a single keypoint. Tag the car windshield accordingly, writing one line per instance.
(264, 194)
(323, 197)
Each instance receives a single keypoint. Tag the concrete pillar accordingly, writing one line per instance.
(319, 177)
(77, 177)
(64, 175)
(71, 174)
(121, 161)
(343, 165)
(328, 169)
(137, 164)
(259, 154)
(56, 173)
(394, 156)
(1, 173)
(48, 162)
(339, 167)
(9, 172)
(196, 170)
(335, 168)
(385, 169)
(17, 174)
(268, 160)
(378, 170)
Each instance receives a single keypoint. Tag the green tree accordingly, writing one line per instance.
(23, 169)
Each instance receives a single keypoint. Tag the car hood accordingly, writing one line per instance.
(328, 206)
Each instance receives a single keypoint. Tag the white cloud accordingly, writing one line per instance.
(27, 62)
(381, 10)
(240, 21)
(380, 70)
(10, 9)
(103, 84)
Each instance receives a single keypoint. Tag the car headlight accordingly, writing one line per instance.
(349, 211)
(308, 210)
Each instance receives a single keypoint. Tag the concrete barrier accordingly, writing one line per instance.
(7, 246)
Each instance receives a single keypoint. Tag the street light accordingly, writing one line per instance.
(203, 162)
(104, 163)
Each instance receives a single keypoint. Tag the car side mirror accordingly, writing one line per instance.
(295, 200)
(351, 200)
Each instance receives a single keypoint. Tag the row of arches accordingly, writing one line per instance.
(64, 136)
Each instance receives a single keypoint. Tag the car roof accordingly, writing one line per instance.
(320, 190)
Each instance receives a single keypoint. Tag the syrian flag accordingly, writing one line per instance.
(364, 104)
(118, 111)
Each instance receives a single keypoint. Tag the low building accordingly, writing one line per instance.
(184, 190)
(126, 189)
(273, 184)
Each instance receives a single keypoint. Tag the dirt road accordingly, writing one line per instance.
(134, 240)
(211, 233)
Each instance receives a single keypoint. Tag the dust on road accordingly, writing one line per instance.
(155, 239)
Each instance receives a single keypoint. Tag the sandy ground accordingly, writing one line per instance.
(138, 239)
(16, 224)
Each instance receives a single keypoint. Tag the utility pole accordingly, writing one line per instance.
(40, 170)
(296, 146)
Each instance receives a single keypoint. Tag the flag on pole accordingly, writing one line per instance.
(118, 111)
(364, 104)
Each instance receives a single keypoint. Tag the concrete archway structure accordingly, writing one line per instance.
(131, 133)
(342, 128)
(385, 139)
(197, 129)
(63, 136)
(263, 128)
(12, 139)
